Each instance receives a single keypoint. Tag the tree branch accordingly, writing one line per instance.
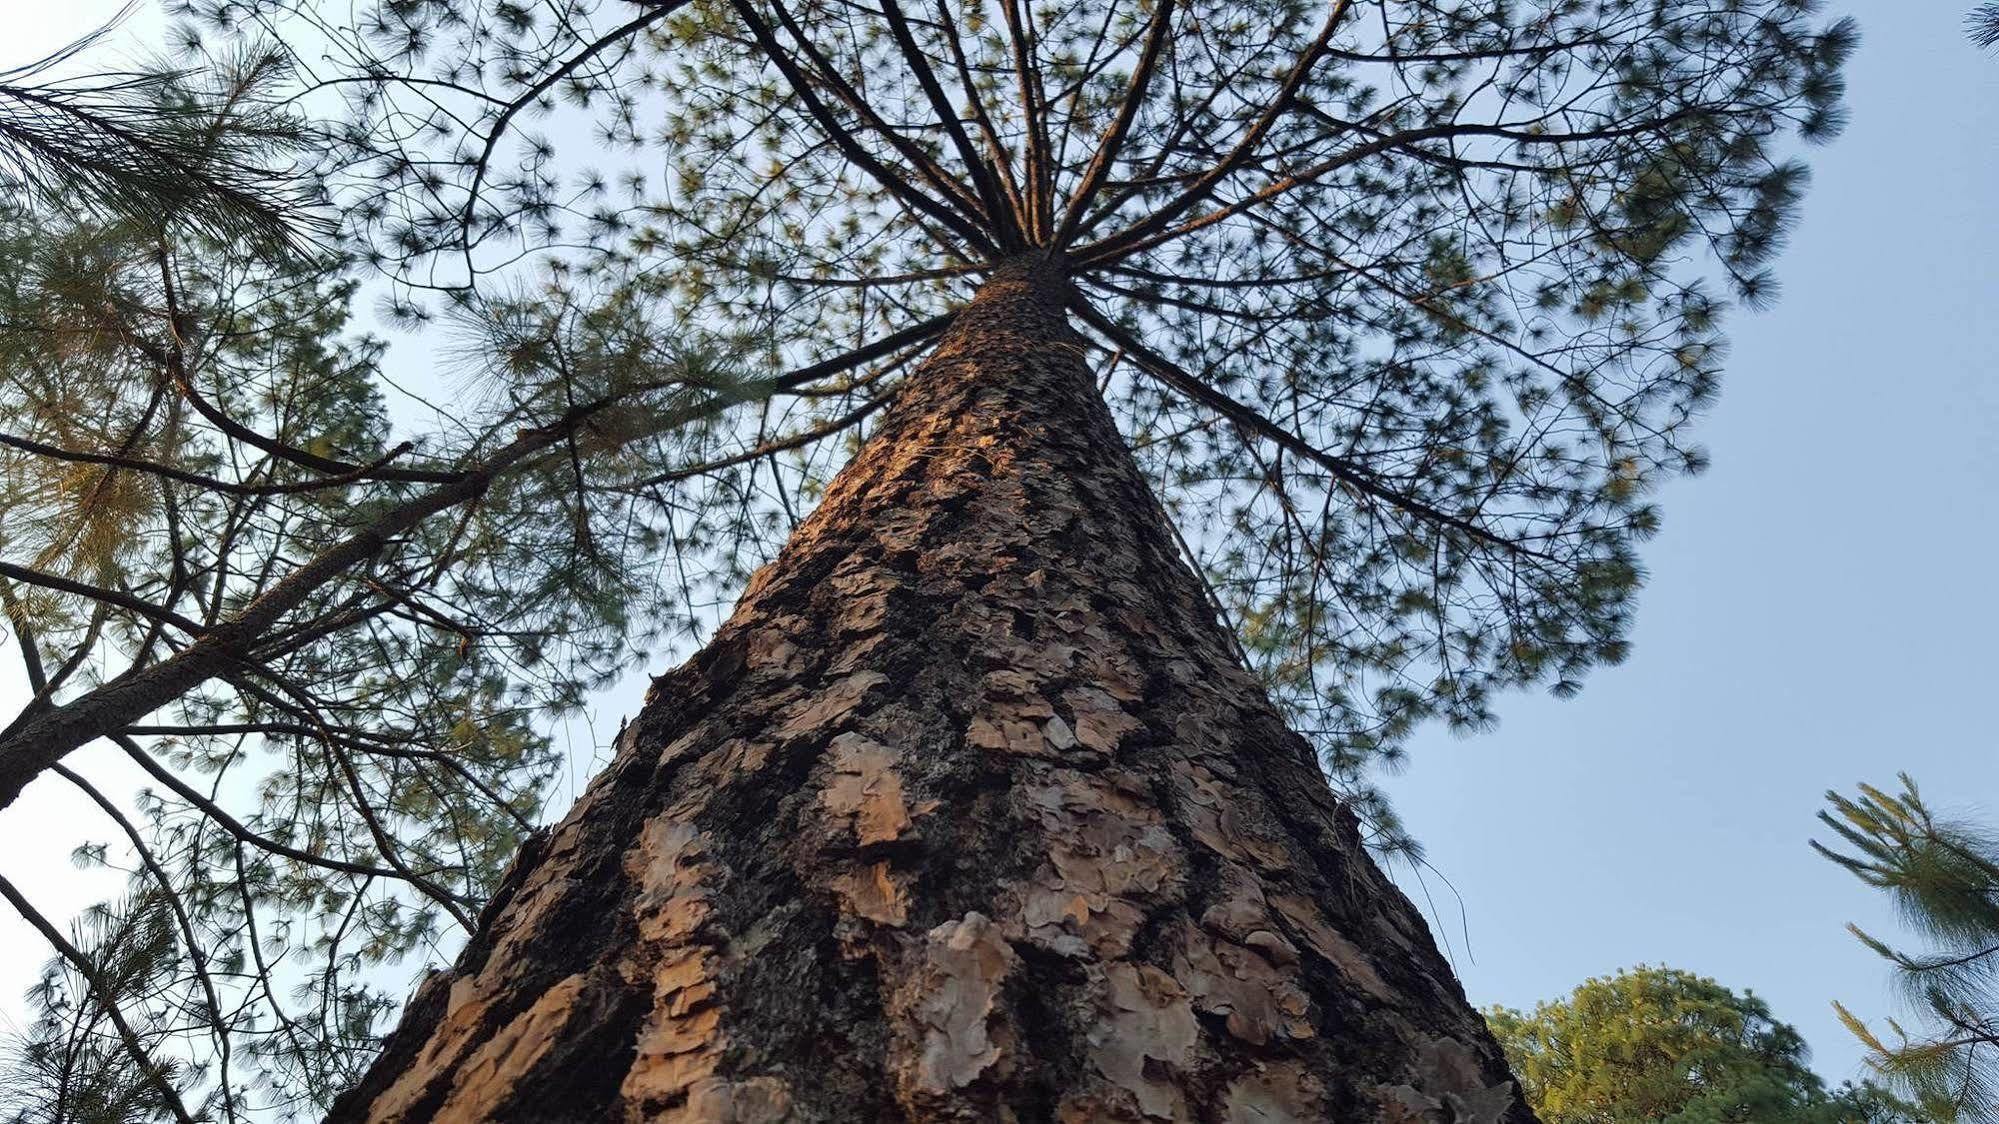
(1006, 223)
(155, 1073)
(1245, 146)
(140, 691)
(822, 115)
(1352, 475)
(1105, 158)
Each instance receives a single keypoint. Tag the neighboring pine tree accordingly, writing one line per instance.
(1942, 875)
(1662, 1046)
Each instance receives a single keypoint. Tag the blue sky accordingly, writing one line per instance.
(1820, 610)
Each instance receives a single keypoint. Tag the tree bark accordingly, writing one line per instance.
(968, 813)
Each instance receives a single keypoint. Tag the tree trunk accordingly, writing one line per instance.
(967, 813)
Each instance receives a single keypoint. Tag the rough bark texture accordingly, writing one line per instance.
(968, 813)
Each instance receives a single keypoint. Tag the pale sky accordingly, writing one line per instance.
(1820, 610)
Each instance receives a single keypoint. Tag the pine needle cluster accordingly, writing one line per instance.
(1942, 874)
(146, 146)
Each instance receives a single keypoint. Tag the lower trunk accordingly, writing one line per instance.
(968, 813)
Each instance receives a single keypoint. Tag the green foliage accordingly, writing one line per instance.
(1661, 1046)
(184, 431)
(1942, 875)
(111, 476)
(190, 428)
(144, 146)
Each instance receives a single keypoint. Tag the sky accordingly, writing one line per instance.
(1821, 609)
(1820, 612)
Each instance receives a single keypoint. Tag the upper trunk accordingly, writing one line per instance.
(967, 813)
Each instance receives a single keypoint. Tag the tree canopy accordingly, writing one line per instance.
(1662, 1046)
(1410, 303)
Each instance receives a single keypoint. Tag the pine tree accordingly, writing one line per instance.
(970, 809)
(85, 1060)
(1943, 876)
(983, 800)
